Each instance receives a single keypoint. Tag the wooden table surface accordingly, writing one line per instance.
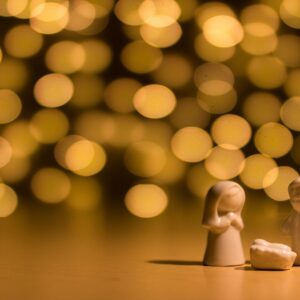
(52, 254)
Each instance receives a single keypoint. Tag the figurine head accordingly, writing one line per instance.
(223, 198)
(294, 192)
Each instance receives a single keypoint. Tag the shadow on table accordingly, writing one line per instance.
(176, 262)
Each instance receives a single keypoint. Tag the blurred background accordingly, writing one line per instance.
(118, 116)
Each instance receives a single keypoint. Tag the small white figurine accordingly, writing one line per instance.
(222, 217)
(271, 256)
(291, 225)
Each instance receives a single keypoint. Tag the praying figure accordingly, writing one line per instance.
(291, 225)
(222, 218)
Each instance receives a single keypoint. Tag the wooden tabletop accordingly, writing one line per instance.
(52, 254)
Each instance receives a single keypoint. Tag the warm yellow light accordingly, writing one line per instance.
(79, 155)
(260, 13)
(11, 106)
(22, 9)
(256, 168)
(290, 13)
(13, 74)
(49, 17)
(98, 56)
(223, 31)
(211, 53)
(127, 11)
(217, 104)
(259, 39)
(82, 13)
(8, 200)
(212, 9)
(214, 79)
(167, 73)
(85, 195)
(53, 90)
(290, 112)
(191, 144)
(22, 41)
(225, 163)
(159, 13)
(138, 57)
(231, 131)
(88, 90)
(161, 37)
(49, 125)
(103, 7)
(291, 85)
(85, 158)
(20, 138)
(62, 146)
(278, 190)
(146, 200)
(172, 172)
(5, 152)
(260, 108)
(273, 139)
(154, 101)
(199, 181)
(288, 49)
(65, 57)
(50, 185)
(16, 170)
(145, 158)
(261, 70)
(189, 107)
(187, 9)
(119, 94)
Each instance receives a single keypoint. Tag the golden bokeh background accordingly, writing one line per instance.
(135, 106)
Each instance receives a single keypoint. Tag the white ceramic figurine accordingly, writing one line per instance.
(291, 225)
(222, 218)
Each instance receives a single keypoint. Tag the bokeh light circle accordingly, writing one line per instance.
(260, 108)
(225, 163)
(10, 104)
(191, 144)
(214, 79)
(273, 139)
(154, 101)
(65, 57)
(231, 131)
(119, 94)
(49, 125)
(22, 41)
(217, 104)
(283, 175)
(139, 57)
(50, 185)
(261, 70)
(256, 168)
(223, 31)
(8, 200)
(5, 152)
(290, 113)
(53, 90)
(146, 200)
